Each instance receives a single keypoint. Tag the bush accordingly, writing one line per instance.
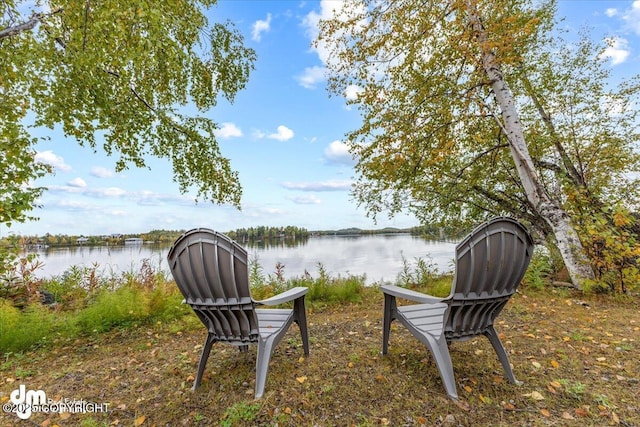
(22, 329)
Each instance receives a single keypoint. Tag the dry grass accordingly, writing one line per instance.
(578, 361)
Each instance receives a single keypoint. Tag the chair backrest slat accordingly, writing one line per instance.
(211, 272)
(490, 263)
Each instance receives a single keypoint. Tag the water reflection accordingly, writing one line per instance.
(378, 257)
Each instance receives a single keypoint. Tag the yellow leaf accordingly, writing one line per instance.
(535, 395)
(287, 410)
(555, 364)
(301, 359)
(301, 380)
(139, 421)
(545, 412)
(555, 384)
(614, 418)
(468, 389)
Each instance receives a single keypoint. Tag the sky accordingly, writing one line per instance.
(284, 135)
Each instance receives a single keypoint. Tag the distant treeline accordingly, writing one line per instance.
(242, 235)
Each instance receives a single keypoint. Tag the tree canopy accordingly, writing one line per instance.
(117, 76)
(438, 136)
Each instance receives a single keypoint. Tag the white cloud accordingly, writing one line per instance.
(77, 182)
(330, 185)
(611, 12)
(228, 130)
(283, 134)
(352, 92)
(311, 76)
(260, 27)
(100, 172)
(632, 16)
(617, 50)
(109, 192)
(50, 158)
(306, 200)
(338, 152)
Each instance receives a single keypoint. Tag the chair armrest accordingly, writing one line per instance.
(399, 292)
(290, 295)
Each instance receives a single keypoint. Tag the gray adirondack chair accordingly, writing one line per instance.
(490, 263)
(211, 271)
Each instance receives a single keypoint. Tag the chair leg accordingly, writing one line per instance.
(502, 354)
(440, 351)
(387, 318)
(203, 360)
(265, 347)
(300, 317)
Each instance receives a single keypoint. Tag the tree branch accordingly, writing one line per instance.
(29, 25)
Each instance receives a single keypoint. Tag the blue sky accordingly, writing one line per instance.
(283, 134)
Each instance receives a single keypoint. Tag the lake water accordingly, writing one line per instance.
(378, 257)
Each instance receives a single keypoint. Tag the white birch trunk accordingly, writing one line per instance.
(569, 244)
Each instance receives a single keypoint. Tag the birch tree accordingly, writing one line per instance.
(117, 76)
(442, 91)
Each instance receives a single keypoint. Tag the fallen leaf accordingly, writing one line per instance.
(555, 384)
(581, 412)
(535, 395)
(555, 363)
(614, 418)
(509, 407)
(287, 410)
(301, 380)
(65, 416)
(568, 416)
(139, 421)
(301, 359)
(468, 389)
(421, 420)
(601, 359)
(46, 423)
(536, 365)
(545, 412)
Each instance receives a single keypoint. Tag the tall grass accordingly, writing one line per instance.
(88, 302)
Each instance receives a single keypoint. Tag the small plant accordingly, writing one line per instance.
(240, 412)
(539, 271)
(18, 283)
(423, 272)
(575, 389)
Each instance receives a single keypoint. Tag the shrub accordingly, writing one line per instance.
(22, 329)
